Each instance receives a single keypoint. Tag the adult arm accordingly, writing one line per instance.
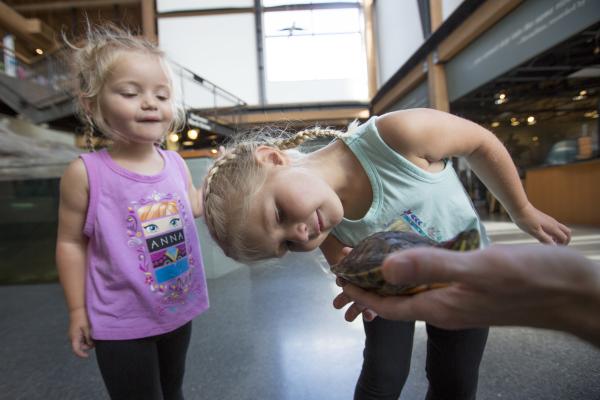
(520, 285)
(71, 247)
(427, 136)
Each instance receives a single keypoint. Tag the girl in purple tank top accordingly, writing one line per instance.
(127, 251)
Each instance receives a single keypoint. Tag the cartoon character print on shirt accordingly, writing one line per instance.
(409, 221)
(156, 230)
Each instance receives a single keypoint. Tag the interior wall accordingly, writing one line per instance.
(398, 35)
(220, 48)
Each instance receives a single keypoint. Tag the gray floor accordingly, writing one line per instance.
(272, 334)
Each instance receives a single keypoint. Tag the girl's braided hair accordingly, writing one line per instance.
(233, 180)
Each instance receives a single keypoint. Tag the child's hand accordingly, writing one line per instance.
(79, 333)
(541, 226)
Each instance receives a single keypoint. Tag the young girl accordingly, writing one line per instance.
(393, 172)
(127, 251)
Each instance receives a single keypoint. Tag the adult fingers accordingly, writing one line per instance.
(427, 265)
(341, 300)
(353, 311)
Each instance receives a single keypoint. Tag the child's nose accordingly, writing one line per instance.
(299, 232)
(148, 102)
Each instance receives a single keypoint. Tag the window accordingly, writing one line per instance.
(317, 44)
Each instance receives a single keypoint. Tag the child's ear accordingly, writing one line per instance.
(268, 155)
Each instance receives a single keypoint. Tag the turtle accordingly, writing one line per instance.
(362, 266)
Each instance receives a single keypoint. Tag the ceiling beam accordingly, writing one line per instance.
(67, 5)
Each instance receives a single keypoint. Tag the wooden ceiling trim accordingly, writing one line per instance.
(478, 22)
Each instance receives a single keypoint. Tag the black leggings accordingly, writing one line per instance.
(150, 368)
(452, 364)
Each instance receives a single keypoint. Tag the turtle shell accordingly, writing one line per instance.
(362, 266)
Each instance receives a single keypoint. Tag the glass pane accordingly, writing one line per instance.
(294, 23)
(288, 23)
(314, 57)
(337, 21)
(271, 3)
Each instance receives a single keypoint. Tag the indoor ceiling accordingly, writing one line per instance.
(561, 84)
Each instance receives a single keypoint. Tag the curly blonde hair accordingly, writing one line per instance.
(92, 60)
(232, 181)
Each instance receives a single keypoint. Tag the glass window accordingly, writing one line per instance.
(314, 44)
(271, 3)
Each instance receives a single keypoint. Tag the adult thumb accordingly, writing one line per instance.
(425, 265)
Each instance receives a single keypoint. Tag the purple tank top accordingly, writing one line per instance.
(144, 268)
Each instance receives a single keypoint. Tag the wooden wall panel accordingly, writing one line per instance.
(569, 193)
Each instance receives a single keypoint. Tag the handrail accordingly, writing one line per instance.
(211, 86)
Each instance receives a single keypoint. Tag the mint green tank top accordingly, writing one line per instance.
(406, 197)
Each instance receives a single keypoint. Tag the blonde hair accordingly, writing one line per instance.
(234, 178)
(157, 210)
(91, 63)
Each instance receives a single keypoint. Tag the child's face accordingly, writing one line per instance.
(294, 211)
(135, 101)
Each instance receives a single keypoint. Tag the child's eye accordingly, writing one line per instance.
(278, 215)
(163, 98)
(128, 94)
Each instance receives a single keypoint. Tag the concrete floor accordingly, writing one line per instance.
(272, 334)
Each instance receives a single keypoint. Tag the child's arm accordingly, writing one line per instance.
(194, 195)
(71, 246)
(333, 250)
(427, 136)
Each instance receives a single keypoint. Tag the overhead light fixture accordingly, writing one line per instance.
(582, 95)
(591, 114)
(214, 151)
(173, 137)
(500, 98)
(531, 120)
(514, 121)
(192, 134)
(535, 139)
(39, 51)
(495, 124)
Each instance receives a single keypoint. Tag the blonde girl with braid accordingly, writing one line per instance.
(262, 200)
(128, 254)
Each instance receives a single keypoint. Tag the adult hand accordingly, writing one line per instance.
(539, 286)
(355, 308)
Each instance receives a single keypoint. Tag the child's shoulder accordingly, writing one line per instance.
(75, 169)
(75, 176)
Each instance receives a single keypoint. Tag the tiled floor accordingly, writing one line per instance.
(272, 334)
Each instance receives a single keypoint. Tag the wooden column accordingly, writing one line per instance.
(372, 65)
(149, 20)
(436, 74)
